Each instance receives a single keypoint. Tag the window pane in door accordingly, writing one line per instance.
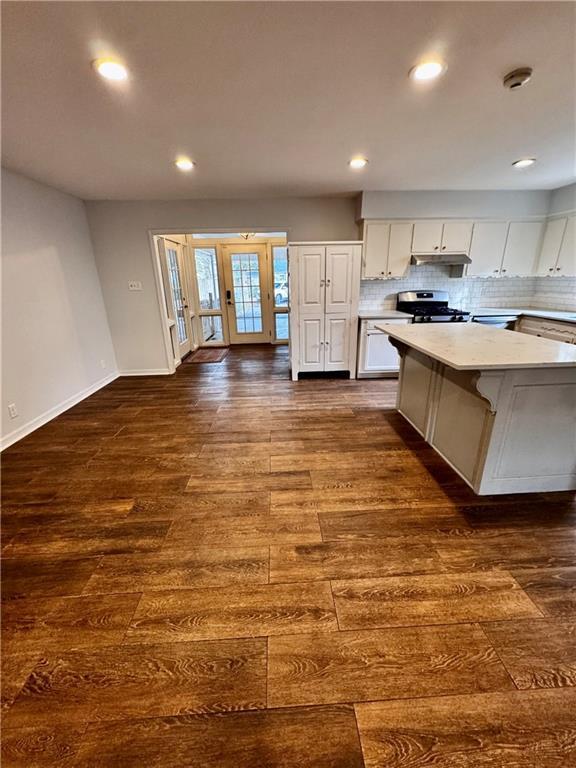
(280, 267)
(246, 288)
(179, 309)
(281, 325)
(207, 277)
(212, 328)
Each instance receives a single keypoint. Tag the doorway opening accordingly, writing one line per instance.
(222, 289)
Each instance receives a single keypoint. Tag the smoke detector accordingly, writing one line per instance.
(517, 78)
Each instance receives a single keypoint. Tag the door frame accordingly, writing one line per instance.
(157, 232)
(178, 353)
(265, 275)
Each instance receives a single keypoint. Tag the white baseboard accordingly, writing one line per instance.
(44, 418)
(146, 372)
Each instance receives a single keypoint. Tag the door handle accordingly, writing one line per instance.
(229, 297)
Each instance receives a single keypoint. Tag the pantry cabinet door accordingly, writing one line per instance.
(553, 236)
(567, 259)
(522, 248)
(311, 334)
(339, 263)
(337, 339)
(375, 249)
(311, 279)
(456, 236)
(399, 249)
(427, 236)
(487, 248)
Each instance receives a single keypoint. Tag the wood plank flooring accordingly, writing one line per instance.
(227, 568)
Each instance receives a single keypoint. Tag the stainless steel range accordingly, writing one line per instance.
(429, 307)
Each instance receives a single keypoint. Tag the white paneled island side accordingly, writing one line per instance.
(497, 405)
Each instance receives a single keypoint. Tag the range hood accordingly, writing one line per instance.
(451, 259)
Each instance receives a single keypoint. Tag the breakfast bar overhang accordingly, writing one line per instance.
(497, 405)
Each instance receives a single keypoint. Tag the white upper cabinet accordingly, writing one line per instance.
(427, 236)
(522, 248)
(339, 263)
(566, 264)
(375, 248)
(399, 249)
(312, 274)
(387, 249)
(553, 236)
(456, 236)
(487, 248)
(441, 236)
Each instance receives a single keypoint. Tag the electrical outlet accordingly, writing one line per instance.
(12, 410)
(134, 285)
(102, 363)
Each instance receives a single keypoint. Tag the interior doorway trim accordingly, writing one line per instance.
(157, 270)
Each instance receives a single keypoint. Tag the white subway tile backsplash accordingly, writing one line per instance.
(467, 293)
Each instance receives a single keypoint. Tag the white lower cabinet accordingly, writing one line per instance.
(376, 355)
(336, 342)
(311, 343)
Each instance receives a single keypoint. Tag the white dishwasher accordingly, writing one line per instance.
(377, 356)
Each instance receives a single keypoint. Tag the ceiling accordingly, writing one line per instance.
(274, 98)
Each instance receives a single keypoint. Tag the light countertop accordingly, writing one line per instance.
(383, 314)
(547, 314)
(479, 347)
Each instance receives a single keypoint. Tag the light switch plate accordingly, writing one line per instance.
(134, 285)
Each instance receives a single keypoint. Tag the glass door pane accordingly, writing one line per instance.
(281, 326)
(247, 300)
(174, 277)
(246, 270)
(280, 267)
(207, 277)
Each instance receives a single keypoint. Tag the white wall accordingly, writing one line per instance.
(465, 204)
(120, 233)
(54, 330)
(563, 200)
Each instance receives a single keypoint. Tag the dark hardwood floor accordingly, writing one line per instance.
(227, 569)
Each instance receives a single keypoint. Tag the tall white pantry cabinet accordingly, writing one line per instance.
(324, 292)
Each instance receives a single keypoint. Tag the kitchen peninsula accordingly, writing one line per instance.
(497, 405)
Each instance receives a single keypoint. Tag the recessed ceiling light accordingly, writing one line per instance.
(110, 69)
(524, 162)
(428, 70)
(184, 164)
(358, 162)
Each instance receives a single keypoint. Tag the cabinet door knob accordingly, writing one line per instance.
(551, 269)
(435, 247)
(389, 273)
(558, 269)
(496, 270)
(443, 247)
(503, 270)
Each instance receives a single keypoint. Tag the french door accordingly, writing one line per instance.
(247, 299)
(178, 308)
